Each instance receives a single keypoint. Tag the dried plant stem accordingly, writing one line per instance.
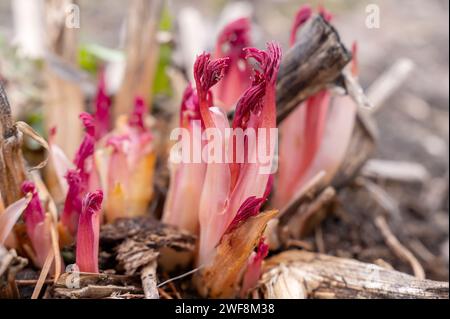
(142, 52)
(64, 99)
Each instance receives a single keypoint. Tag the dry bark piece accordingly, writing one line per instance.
(133, 255)
(94, 292)
(301, 274)
(149, 231)
(10, 265)
(85, 285)
(315, 62)
(140, 241)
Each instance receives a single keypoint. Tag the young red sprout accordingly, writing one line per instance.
(186, 181)
(37, 225)
(304, 133)
(229, 209)
(80, 179)
(102, 115)
(234, 261)
(253, 271)
(336, 138)
(220, 202)
(126, 165)
(96, 127)
(88, 233)
(231, 42)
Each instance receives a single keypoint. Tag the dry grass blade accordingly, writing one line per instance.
(43, 275)
(401, 251)
(142, 50)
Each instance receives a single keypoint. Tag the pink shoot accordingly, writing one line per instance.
(208, 73)
(128, 160)
(82, 178)
(237, 78)
(221, 202)
(302, 133)
(72, 205)
(253, 271)
(37, 225)
(181, 207)
(102, 113)
(88, 233)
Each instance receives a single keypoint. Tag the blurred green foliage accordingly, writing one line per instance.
(161, 84)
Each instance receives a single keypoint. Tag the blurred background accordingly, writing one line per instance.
(410, 44)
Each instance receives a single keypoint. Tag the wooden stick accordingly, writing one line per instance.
(148, 277)
(389, 82)
(315, 62)
(304, 274)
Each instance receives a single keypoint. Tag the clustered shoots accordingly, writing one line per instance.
(221, 202)
(117, 163)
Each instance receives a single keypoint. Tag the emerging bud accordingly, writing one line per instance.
(80, 179)
(127, 160)
(316, 135)
(242, 187)
(37, 225)
(253, 272)
(88, 233)
(208, 73)
(186, 182)
(237, 78)
(102, 113)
